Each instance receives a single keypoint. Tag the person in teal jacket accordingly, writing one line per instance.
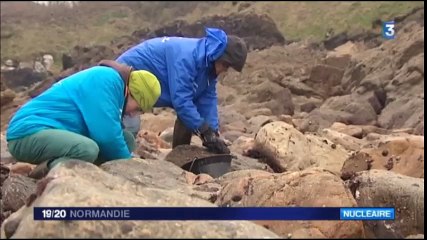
(80, 117)
(188, 69)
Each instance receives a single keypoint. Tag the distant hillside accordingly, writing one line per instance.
(28, 29)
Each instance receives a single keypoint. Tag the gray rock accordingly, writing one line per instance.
(159, 174)
(245, 163)
(15, 191)
(381, 188)
(79, 184)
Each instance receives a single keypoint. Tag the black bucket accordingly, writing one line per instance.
(215, 165)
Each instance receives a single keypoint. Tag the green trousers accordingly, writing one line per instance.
(55, 146)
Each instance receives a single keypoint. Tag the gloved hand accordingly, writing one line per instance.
(212, 141)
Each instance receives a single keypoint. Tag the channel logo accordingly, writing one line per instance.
(388, 30)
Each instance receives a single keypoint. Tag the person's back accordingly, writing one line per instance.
(171, 59)
(69, 120)
(187, 69)
(80, 117)
(62, 107)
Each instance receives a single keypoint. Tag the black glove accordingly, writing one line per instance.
(212, 141)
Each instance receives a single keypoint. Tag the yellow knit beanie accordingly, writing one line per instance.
(145, 89)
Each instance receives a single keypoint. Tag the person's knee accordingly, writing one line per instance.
(87, 151)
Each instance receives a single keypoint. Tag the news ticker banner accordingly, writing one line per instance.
(212, 213)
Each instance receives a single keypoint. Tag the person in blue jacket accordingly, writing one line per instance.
(80, 117)
(187, 69)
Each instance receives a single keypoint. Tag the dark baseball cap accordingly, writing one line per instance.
(236, 52)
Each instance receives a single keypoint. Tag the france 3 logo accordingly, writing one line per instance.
(388, 30)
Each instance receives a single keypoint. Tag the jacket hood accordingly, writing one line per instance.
(215, 44)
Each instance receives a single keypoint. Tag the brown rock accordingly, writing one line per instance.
(167, 135)
(240, 127)
(273, 96)
(257, 112)
(255, 123)
(324, 78)
(20, 168)
(153, 139)
(287, 149)
(314, 187)
(405, 155)
(308, 107)
(157, 123)
(286, 118)
(202, 179)
(415, 48)
(232, 135)
(352, 130)
(340, 61)
(403, 113)
(353, 108)
(348, 142)
(243, 145)
(146, 150)
(357, 162)
(367, 129)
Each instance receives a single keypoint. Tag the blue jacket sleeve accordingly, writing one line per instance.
(181, 75)
(207, 104)
(101, 110)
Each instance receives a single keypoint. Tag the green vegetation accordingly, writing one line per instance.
(28, 29)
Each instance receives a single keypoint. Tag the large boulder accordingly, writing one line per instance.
(82, 57)
(404, 113)
(287, 149)
(348, 109)
(22, 77)
(354, 109)
(259, 31)
(382, 188)
(325, 79)
(157, 174)
(308, 188)
(79, 184)
(273, 96)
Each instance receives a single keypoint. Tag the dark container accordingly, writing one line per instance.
(215, 165)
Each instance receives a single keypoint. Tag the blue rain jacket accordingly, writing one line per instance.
(185, 68)
(89, 103)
